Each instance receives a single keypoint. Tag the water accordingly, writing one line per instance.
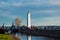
(24, 37)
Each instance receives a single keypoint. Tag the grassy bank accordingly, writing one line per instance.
(5, 37)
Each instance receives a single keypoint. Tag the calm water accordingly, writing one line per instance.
(24, 37)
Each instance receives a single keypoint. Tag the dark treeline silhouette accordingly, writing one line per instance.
(50, 31)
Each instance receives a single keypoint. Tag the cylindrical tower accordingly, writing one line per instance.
(28, 19)
(28, 24)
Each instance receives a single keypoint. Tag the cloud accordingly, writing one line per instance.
(47, 13)
(30, 3)
(8, 14)
(44, 12)
(54, 2)
(52, 18)
(17, 4)
(10, 4)
(50, 11)
(41, 2)
(46, 21)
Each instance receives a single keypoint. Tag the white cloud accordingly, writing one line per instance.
(41, 2)
(8, 14)
(16, 4)
(52, 18)
(53, 11)
(19, 3)
(48, 12)
(53, 22)
(54, 2)
(3, 4)
(10, 4)
(46, 21)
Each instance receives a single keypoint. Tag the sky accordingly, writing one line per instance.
(43, 12)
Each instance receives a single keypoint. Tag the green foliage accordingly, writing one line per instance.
(5, 37)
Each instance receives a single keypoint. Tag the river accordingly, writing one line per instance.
(24, 37)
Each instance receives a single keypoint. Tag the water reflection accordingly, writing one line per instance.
(41, 38)
(18, 35)
(28, 37)
(24, 37)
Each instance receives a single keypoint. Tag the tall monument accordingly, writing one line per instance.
(28, 24)
(28, 19)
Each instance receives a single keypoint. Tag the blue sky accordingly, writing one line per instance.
(43, 12)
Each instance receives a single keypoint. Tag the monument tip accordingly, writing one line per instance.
(28, 11)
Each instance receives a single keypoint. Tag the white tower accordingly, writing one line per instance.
(28, 24)
(28, 19)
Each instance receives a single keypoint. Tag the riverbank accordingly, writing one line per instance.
(14, 38)
(7, 37)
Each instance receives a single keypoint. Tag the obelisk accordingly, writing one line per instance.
(28, 24)
(28, 19)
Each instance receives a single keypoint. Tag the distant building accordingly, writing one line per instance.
(17, 22)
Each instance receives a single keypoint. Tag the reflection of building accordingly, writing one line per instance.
(17, 22)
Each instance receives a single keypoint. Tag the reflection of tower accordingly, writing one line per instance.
(28, 19)
(17, 22)
(28, 24)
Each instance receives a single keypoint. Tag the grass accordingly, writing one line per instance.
(5, 37)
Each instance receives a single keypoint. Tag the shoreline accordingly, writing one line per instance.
(8, 37)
